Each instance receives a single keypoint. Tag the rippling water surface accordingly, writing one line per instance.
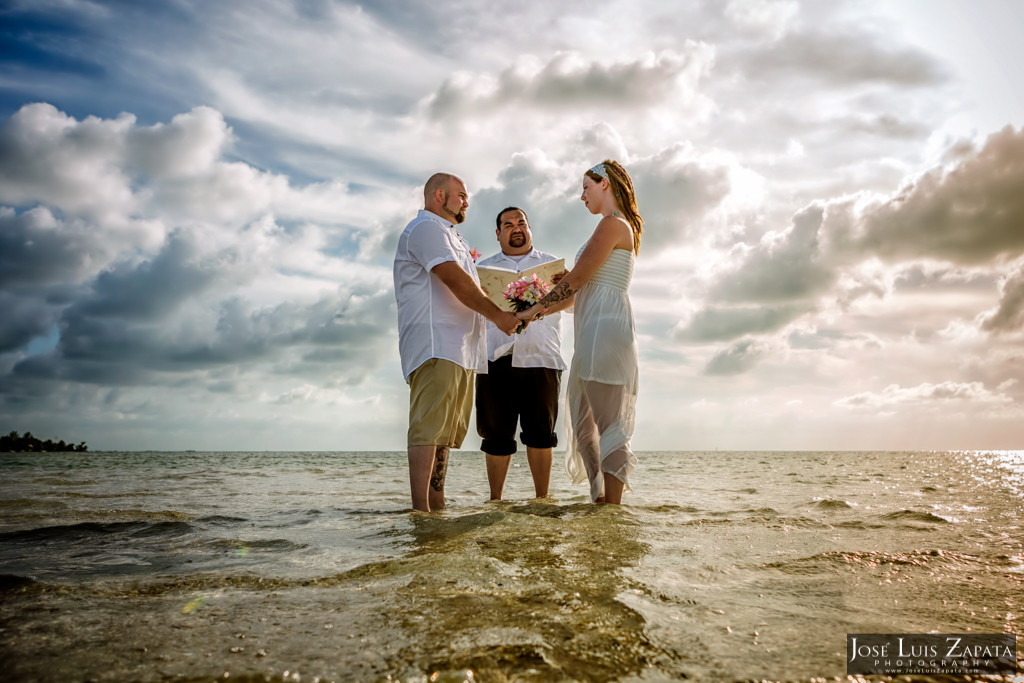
(306, 566)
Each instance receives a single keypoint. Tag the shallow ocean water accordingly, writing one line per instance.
(720, 566)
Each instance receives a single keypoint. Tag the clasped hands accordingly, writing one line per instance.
(512, 323)
(529, 315)
(536, 312)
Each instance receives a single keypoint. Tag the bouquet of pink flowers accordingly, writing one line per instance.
(524, 292)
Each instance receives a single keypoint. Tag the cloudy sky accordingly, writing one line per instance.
(199, 203)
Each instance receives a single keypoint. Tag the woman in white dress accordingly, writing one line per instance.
(602, 385)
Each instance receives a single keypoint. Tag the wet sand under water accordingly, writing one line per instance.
(469, 597)
(742, 576)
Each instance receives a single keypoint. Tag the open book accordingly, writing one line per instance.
(494, 280)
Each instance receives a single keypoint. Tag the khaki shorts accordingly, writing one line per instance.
(440, 401)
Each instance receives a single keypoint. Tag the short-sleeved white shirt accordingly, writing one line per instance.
(432, 322)
(540, 344)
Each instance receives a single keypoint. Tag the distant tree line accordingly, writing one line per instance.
(26, 442)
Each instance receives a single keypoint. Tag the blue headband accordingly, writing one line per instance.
(601, 171)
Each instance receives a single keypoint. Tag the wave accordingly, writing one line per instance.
(245, 546)
(838, 560)
(704, 521)
(221, 520)
(17, 582)
(18, 505)
(857, 524)
(161, 526)
(830, 504)
(668, 508)
(88, 531)
(914, 516)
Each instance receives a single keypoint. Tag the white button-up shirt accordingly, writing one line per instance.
(432, 322)
(540, 344)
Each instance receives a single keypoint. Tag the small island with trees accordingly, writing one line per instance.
(15, 443)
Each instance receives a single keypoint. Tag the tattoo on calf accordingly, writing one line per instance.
(440, 469)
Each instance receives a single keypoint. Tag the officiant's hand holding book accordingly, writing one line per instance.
(496, 280)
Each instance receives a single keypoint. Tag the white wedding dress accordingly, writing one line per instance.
(603, 377)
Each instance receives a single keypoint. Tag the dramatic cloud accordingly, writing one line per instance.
(784, 266)
(154, 288)
(967, 212)
(926, 395)
(338, 338)
(48, 157)
(1009, 316)
(24, 320)
(722, 324)
(166, 264)
(847, 57)
(693, 195)
(970, 213)
(738, 358)
(199, 205)
(569, 81)
(37, 249)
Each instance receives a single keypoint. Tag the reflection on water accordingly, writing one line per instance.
(1009, 463)
(527, 591)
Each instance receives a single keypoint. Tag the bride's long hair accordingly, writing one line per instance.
(622, 187)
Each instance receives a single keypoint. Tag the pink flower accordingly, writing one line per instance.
(475, 254)
(524, 293)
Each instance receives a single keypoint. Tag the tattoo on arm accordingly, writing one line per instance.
(561, 292)
(440, 469)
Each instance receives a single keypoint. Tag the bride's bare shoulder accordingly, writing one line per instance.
(618, 226)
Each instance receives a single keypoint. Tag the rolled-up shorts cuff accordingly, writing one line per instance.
(498, 446)
(542, 440)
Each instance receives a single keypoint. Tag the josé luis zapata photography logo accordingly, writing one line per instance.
(893, 654)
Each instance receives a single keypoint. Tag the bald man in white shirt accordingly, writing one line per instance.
(441, 338)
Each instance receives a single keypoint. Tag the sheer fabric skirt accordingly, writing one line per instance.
(602, 389)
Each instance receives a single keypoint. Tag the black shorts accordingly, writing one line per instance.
(507, 395)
